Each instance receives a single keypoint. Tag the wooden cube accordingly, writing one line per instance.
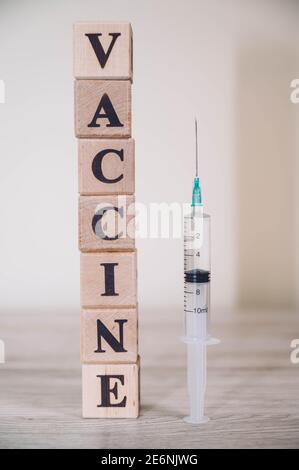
(103, 108)
(108, 279)
(106, 223)
(109, 335)
(110, 390)
(106, 166)
(103, 50)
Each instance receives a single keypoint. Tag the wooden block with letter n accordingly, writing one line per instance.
(106, 223)
(103, 50)
(103, 108)
(108, 279)
(106, 166)
(109, 335)
(110, 390)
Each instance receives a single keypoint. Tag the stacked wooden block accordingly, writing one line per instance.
(109, 332)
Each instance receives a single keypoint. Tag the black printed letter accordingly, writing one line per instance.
(109, 113)
(98, 48)
(97, 224)
(106, 391)
(103, 332)
(109, 279)
(97, 165)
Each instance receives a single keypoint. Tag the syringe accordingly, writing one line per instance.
(197, 269)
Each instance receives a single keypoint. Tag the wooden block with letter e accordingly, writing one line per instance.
(108, 279)
(106, 166)
(110, 390)
(109, 335)
(106, 223)
(103, 108)
(103, 50)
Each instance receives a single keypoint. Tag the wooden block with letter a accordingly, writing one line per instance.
(109, 335)
(106, 166)
(108, 279)
(103, 50)
(103, 108)
(106, 223)
(110, 390)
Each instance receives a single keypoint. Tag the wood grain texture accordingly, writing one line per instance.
(119, 64)
(90, 352)
(123, 389)
(93, 281)
(106, 216)
(112, 158)
(88, 96)
(252, 388)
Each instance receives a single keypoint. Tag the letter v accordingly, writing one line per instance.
(98, 48)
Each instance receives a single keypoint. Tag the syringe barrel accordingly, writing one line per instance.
(197, 265)
(197, 310)
(197, 241)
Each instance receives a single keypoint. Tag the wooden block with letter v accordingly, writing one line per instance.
(110, 390)
(106, 166)
(108, 279)
(109, 335)
(103, 108)
(103, 50)
(106, 223)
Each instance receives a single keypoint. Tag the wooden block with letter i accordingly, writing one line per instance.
(108, 279)
(103, 108)
(109, 335)
(110, 390)
(103, 50)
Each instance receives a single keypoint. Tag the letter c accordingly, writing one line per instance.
(97, 222)
(98, 162)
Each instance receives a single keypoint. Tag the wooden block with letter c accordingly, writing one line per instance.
(106, 223)
(106, 166)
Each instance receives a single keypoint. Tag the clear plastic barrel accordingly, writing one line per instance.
(197, 241)
(197, 310)
(197, 270)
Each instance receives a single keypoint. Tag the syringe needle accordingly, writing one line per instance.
(196, 150)
(196, 192)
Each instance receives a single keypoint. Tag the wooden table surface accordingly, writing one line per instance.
(252, 393)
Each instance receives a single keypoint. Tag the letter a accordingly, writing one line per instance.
(109, 113)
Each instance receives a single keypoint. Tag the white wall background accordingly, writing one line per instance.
(205, 57)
